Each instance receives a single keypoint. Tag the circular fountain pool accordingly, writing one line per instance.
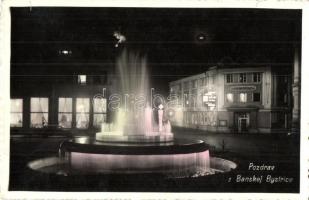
(176, 159)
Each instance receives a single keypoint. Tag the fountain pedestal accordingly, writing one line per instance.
(154, 138)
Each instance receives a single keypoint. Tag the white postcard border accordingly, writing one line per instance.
(5, 97)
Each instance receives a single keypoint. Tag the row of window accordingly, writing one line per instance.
(200, 118)
(39, 108)
(255, 77)
(198, 82)
(243, 77)
(243, 97)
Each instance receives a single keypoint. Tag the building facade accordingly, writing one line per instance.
(59, 104)
(234, 100)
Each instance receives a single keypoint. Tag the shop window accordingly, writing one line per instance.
(256, 77)
(82, 79)
(99, 112)
(82, 113)
(229, 78)
(16, 113)
(243, 97)
(187, 117)
(230, 97)
(256, 97)
(65, 113)
(242, 78)
(38, 112)
(200, 118)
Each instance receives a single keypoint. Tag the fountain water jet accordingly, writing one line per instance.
(135, 123)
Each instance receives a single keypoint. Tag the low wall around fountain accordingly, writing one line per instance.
(179, 158)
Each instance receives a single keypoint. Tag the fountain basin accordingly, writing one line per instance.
(57, 166)
(177, 158)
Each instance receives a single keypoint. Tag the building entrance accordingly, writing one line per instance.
(241, 122)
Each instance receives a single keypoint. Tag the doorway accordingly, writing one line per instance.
(242, 122)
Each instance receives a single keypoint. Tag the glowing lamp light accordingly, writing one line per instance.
(65, 52)
(201, 37)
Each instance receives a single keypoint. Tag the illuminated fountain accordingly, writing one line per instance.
(138, 141)
(135, 122)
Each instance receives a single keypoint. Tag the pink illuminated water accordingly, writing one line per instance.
(137, 118)
(175, 164)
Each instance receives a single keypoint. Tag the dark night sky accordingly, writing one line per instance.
(169, 38)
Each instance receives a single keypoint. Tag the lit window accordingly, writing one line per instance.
(186, 100)
(82, 79)
(99, 111)
(205, 98)
(82, 113)
(256, 97)
(229, 97)
(39, 112)
(192, 99)
(65, 113)
(256, 77)
(242, 78)
(229, 78)
(16, 112)
(243, 97)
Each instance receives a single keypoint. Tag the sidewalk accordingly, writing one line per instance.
(244, 144)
